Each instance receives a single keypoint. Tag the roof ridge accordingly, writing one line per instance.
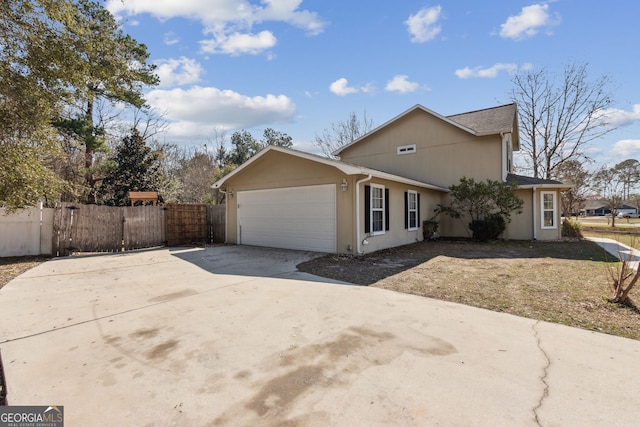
(482, 109)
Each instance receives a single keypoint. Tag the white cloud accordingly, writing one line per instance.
(230, 21)
(626, 148)
(491, 72)
(341, 87)
(527, 24)
(170, 38)
(198, 111)
(400, 83)
(616, 117)
(174, 72)
(423, 26)
(236, 43)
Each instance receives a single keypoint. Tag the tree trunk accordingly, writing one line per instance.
(88, 155)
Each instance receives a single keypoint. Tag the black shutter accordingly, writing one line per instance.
(367, 208)
(418, 213)
(386, 208)
(406, 210)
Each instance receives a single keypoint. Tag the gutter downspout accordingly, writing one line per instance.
(503, 157)
(535, 228)
(358, 241)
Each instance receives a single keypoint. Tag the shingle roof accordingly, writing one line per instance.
(488, 121)
(529, 180)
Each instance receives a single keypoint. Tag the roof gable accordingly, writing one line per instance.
(346, 168)
(416, 107)
(490, 121)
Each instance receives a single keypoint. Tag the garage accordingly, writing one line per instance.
(302, 218)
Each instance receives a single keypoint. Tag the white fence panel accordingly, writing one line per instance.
(26, 232)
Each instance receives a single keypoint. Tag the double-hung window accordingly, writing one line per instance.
(377, 209)
(548, 208)
(412, 210)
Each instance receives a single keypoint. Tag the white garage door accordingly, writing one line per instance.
(292, 218)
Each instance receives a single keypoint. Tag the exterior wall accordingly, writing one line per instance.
(545, 233)
(453, 227)
(521, 225)
(444, 152)
(25, 232)
(278, 170)
(397, 235)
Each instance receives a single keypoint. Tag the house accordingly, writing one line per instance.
(384, 185)
(597, 207)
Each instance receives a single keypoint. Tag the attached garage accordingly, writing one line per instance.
(302, 218)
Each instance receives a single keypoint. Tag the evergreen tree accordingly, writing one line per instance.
(135, 167)
(114, 68)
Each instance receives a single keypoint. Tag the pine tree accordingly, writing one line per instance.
(135, 167)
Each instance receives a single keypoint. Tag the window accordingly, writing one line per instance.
(406, 149)
(548, 206)
(411, 203)
(376, 209)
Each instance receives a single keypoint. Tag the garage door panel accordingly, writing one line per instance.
(294, 218)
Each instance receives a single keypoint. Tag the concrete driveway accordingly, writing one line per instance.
(236, 336)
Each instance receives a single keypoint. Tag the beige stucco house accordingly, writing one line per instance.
(384, 185)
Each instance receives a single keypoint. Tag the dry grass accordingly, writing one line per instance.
(12, 267)
(560, 282)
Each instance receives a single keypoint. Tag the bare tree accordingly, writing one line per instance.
(572, 172)
(342, 133)
(559, 116)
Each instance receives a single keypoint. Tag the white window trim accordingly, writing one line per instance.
(406, 149)
(372, 210)
(409, 210)
(543, 210)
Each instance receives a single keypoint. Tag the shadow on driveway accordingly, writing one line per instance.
(252, 261)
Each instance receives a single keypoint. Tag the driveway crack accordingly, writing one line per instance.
(543, 378)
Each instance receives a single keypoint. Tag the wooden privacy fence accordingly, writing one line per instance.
(92, 228)
(216, 215)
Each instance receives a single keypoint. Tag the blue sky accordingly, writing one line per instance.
(297, 66)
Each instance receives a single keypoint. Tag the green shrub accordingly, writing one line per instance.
(489, 228)
(571, 228)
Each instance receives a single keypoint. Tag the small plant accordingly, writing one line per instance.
(623, 276)
(430, 228)
(571, 228)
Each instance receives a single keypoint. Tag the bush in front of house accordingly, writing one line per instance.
(571, 228)
(489, 228)
(488, 204)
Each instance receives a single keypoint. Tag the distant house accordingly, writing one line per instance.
(602, 208)
(384, 185)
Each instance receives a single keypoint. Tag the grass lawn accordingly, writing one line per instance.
(624, 232)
